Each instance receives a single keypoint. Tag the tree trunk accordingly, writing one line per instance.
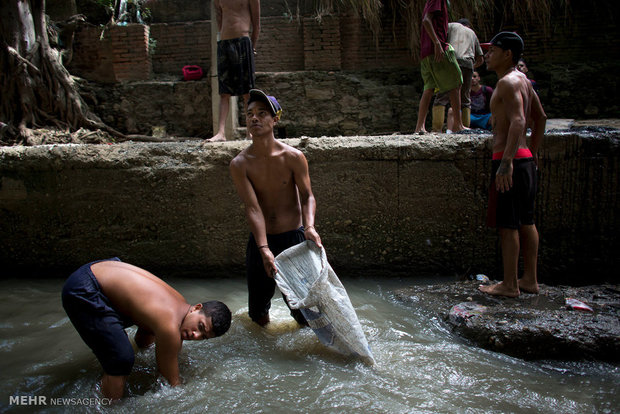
(36, 89)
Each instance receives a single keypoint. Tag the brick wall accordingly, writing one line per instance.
(322, 44)
(130, 57)
(117, 54)
(170, 11)
(590, 33)
(332, 43)
(180, 44)
(92, 56)
(361, 49)
(280, 45)
(284, 45)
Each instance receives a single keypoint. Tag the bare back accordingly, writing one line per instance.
(511, 106)
(235, 17)
(273, 179)
(151, 303)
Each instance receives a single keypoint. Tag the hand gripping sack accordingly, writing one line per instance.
(311, 285)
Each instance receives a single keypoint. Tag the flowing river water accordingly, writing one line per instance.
(421, 367)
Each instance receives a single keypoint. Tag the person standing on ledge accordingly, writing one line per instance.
(514, 107)
(104, 297)
(273, 182)
(440, 70)
(235, 53)
(469, 56)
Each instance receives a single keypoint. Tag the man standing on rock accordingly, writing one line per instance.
(273, 181)
(514, 107)
(235, 53)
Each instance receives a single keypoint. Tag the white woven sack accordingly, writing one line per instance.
(311, 285)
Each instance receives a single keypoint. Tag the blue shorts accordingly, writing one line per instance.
(262, 287)
(101, 327)
(480, 121)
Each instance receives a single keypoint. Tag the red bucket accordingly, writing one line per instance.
(192, 72)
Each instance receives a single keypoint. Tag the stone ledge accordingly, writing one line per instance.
(395, 203)
(530, 326)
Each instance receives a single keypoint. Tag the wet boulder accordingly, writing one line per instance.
(565, 323)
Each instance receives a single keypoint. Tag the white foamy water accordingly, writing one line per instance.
(421, 367)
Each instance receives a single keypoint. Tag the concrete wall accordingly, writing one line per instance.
(314, 103)
(318, 103)
(176, 108)
(385, 205)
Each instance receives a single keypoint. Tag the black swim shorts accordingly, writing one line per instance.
(261, 287)
(514, 208)
(235, 66)
(101, 327)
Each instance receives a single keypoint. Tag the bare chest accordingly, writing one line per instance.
(235, 10)
(271, 176)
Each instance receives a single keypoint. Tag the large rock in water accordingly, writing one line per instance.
(531, 326)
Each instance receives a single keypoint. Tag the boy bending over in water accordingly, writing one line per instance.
(103, 298)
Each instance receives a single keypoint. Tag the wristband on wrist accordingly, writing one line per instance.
(264, 246)
(309, 227)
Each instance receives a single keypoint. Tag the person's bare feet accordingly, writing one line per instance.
(464, 128)
(499, 289)
(217, 138)
(420, 131)
(528, 287)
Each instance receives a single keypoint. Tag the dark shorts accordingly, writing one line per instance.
(235, 66)
(99, 325)
(261, 287)
(514, 208)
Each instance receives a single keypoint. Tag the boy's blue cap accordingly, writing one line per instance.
(270, 101)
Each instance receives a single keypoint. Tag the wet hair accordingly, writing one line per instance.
(220, 316)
